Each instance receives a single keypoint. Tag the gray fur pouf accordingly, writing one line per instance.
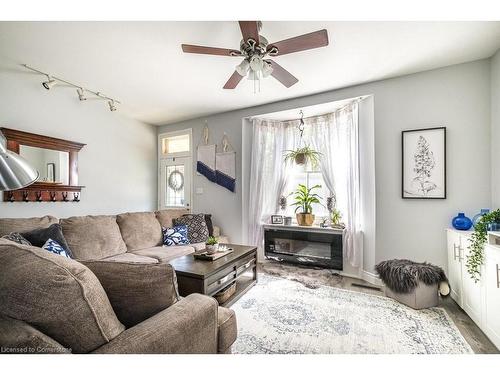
(403, 275)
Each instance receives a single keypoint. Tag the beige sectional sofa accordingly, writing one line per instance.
(118, 295)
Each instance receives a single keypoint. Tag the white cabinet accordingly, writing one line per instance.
(472, 292)
(492, 291)
(480, 300)
(455, 266)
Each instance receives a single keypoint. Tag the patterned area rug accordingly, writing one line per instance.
(283, 316)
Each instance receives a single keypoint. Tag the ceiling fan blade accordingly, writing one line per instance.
(282, 75)
(233, 81)
(189, 48)
(304, 42)
(250, 30)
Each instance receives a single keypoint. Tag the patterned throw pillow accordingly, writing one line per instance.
(197, 227)
(16, 237)
(54, 247)
(177, 235)
(38, 237)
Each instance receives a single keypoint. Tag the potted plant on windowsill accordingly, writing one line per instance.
(304, 198)
(212, 245)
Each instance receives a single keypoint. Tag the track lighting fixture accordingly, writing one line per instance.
(49, 83)
(80, 90)
(112, 106)
(81, 94)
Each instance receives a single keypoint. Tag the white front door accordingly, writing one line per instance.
(175, 183)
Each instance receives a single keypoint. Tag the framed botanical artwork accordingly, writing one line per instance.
(276, 219)
(424, 163)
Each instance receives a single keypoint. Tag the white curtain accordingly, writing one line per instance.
(268, 173)
(335, 135)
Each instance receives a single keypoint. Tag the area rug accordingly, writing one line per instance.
(284, 316)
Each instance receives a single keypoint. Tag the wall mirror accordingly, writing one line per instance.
(52, 165)
(56, 161)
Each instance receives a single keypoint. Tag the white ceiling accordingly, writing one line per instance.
(141, 63)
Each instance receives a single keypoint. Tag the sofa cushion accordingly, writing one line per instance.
(136, 291)
(166, 254)
(130, 258)
(38, 237)
(140, 230)
(25, 224)
(19, 337)
(177, 235)
(227, 329)
(59, 296)
(166, 217)
(93, 237)
(197, 227)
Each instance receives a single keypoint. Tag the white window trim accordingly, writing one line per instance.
(162, 156)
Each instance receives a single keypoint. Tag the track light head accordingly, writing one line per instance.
(49, 83)
(112, 106)
(81, 94)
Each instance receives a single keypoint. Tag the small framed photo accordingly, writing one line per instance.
(276, 219)
(424, 163)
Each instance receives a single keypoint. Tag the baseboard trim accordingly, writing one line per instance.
(371, 278)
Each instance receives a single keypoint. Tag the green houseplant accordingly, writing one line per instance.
(302, 155)
(212, 244)
(304, 199)
(478, 239)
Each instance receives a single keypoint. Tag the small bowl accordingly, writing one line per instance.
(211, 249)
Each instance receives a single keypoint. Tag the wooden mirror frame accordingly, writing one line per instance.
(42, 191)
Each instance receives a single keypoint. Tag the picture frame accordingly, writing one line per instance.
(276, 219)
(51, 172)
(423, 155)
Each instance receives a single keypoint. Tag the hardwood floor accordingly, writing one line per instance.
(314, 277)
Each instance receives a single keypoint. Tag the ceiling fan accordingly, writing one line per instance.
(254, 48)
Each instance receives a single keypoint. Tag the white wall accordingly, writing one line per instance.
(457, 97)
(495, 130)
(118, 164)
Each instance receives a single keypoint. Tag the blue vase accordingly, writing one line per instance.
(478, 216)
(461, 222)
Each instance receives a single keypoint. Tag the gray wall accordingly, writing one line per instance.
(457, 97)
(495, 129)
(118, 164)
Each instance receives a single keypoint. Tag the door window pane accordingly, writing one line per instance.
(175, 144)
(175, 186)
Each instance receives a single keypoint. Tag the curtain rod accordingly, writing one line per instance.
(358, 99)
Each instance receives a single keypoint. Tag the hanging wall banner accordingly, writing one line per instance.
(206, 161)
(226, 169)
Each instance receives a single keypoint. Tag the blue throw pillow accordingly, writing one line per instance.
(54, 247)
(177, 235)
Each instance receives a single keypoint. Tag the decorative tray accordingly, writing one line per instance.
(219, 254)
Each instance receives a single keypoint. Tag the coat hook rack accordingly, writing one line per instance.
(76, 197)
(25, 196)
(65, 196)
(10, 196)
(53, 196)
(38, 195)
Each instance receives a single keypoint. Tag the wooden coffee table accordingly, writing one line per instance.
(209, 277)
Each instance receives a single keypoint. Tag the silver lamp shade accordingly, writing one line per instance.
(15, 171)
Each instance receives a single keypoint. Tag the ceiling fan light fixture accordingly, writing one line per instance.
(243, 67)
(256, 63)
(112, 106)
(267, 69)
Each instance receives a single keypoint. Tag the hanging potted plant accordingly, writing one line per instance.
(304, 200)
(303, 155)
